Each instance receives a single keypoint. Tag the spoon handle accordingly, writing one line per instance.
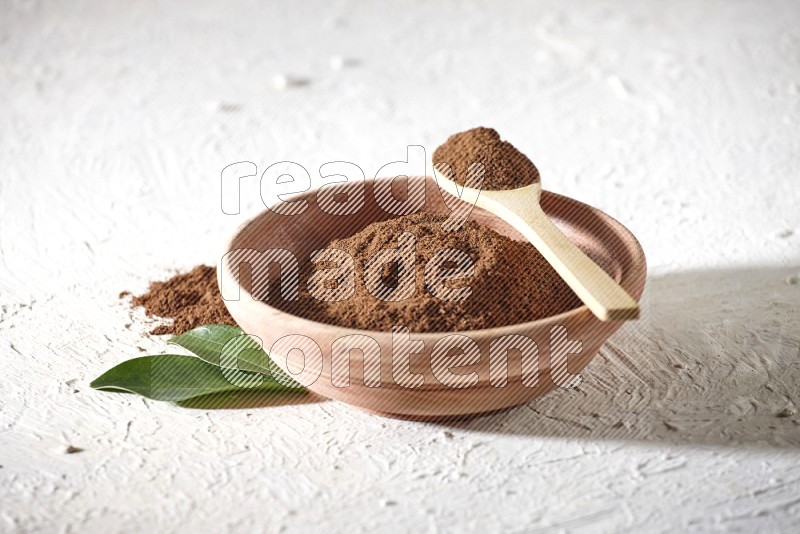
(601, 294)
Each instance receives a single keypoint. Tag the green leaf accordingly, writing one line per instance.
(229, 347)
(247, 399)
(172, 377)
(208, 341)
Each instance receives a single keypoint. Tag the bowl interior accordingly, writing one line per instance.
(602, 238)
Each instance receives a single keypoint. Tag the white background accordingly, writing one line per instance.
(678, 118)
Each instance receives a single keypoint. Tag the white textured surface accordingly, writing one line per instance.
(680, 119)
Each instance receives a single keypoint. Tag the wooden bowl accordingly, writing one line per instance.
(604, 239)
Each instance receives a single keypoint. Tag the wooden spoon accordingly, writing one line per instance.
(520, 208)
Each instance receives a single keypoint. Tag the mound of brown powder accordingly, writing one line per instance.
(190, 300)
(511, 283)
(505, 167)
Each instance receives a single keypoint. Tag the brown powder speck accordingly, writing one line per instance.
(505, 167)
(190, 299)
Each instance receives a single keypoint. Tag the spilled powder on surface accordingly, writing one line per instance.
(188, 300)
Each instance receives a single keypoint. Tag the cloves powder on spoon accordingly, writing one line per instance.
(510, 187)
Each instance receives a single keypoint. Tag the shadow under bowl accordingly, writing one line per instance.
(381, 377)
